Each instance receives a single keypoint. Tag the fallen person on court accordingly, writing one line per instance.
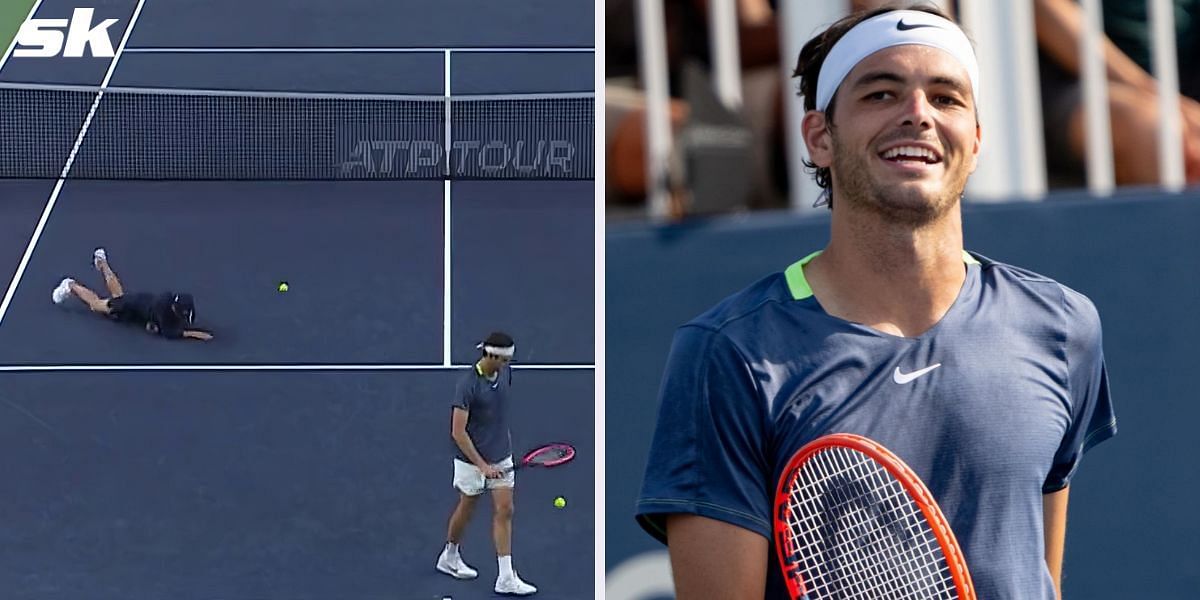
(169, 314)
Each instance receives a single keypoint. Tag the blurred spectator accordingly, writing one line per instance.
(1132, 90)
(688, 42)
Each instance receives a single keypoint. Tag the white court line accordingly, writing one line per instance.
(275, 367)
(446, 281)
(243, 93)
(37, 232)
(12, 44)
(320, 50)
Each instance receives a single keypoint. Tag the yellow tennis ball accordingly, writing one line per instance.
(283, 287)
(560, 502)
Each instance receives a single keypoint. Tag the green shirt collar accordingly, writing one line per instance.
(798, 284)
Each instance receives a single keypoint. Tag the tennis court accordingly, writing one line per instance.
(304, 452)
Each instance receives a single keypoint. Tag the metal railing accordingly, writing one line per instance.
(1013, 164)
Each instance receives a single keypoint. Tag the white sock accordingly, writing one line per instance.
(506, 566)
(451, 550)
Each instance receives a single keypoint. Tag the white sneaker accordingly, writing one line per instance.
(455, 567)
(98, 256)
(62, 292)
(513, 585)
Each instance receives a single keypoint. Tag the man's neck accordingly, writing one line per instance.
(481, 368)
(895, 278)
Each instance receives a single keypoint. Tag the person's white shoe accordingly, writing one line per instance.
(98, 256)
(513, 585)
(455, 567)
(62, 292)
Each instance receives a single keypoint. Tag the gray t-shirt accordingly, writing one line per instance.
(486, 401)
(993, 407)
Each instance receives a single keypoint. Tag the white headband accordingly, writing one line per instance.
(894, 28)
(506, 351)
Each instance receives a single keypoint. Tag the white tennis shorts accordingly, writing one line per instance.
(470, 480)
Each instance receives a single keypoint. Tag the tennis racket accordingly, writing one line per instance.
(545, 456)
(852, 521)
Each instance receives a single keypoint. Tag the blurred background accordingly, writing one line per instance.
(701, 94)
(1089, 173)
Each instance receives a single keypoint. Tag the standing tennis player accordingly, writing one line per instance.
(483, 461)
(169, 314)
(987, 379)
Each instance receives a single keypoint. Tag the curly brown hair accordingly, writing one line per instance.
(808, 67)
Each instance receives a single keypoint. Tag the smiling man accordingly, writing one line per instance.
(987, 379)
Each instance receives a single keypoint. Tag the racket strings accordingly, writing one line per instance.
(858, 534)
(873, 565)
(879, 552)
(876, 551)
(550, 454)
(876, 556)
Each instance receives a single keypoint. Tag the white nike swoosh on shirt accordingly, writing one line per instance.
(903, 378)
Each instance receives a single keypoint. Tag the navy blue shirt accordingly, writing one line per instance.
(486, 402)
(992, 408)
(149, 309)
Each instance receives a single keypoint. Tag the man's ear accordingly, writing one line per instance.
(817, 138)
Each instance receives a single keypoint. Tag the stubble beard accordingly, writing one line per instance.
(906, 205)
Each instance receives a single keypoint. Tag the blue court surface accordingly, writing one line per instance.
(304, 452)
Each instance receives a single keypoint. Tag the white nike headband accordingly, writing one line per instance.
(505, 351)
(894, 28)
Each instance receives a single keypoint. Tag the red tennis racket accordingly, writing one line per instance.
(852, 522)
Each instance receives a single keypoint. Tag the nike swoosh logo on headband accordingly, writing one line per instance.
(903, 27)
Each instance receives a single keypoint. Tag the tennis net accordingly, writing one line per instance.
(88, 132)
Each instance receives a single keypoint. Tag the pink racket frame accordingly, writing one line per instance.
(570, 455)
